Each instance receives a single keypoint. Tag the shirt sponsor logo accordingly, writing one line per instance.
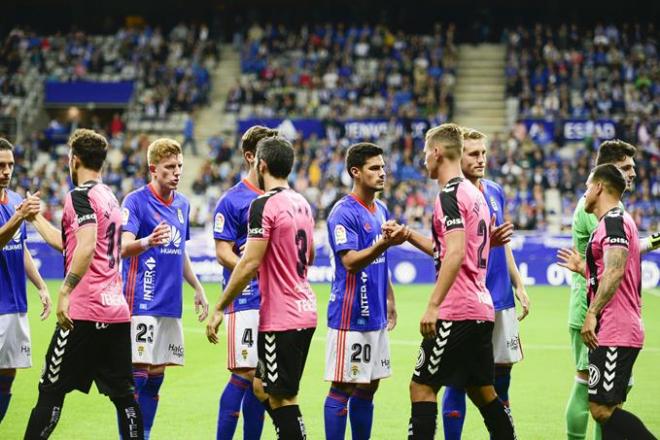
(179, 215)
(86, 217)
(452, 222)
(340, 235)
(493, 204)
(25, 349)
(125, 214)
(256, 231)
(15, 244)
(173, 242)
(306, 305)
(149, 279)
(219, 225)
(618, 240)
(112, 299)
(364, 297)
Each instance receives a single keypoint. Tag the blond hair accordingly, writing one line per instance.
(450, 136)
(472, 134)
(161, 149)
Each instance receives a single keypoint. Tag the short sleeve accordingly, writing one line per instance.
(343, 231)
(225, 226)
(260, 220)
(453, 216)
(130, 215)
(615, 232)
(82, 207)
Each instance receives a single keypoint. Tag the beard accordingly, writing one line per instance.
(261, 182)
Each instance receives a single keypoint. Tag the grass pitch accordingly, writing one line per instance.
(189, 396)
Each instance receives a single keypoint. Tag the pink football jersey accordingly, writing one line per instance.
(620, 322)
(462, 207)
(284, 218)
(98, 297)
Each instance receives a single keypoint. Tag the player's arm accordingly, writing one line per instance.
(615, 265)
(649, 243)
(201, 303)
(224, 253)
(35, 277)
(131, 247)
(421, 242)
(80, 261)
(517, 281)
(245, 270)
(451, 264)
(48, 232)
(391, 306)
(24, 211)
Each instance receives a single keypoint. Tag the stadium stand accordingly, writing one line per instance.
(333, 72)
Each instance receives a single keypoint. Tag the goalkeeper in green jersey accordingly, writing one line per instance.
(622, 155)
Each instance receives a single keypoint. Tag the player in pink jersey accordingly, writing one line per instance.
(612, 328)
(92, 338)
(457, 325)
(280, 247)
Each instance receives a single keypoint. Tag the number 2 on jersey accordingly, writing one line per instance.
(301, 244)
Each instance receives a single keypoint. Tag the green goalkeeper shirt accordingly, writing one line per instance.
(584, 225)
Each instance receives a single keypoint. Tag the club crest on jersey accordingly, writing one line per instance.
(125, 214)
(219, 225)
(179, 214)
(340, 235)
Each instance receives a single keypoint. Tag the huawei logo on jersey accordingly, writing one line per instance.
(173, 243)
(174, 238)
(17, 236)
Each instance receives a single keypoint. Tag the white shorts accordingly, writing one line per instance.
(507, 348)
(357, 357)
(242, 329)
(15, 351)
(156, 340)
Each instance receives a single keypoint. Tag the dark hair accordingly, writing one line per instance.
(90, 147)
(253, 135)
(6, 145)
(614, 151)
(358, 154)
(611, 176)
(277, 152)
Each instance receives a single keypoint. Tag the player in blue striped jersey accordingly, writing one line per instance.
(230, 227)
(501, 277)
(361, 308)
(15, 264)
(154, 235)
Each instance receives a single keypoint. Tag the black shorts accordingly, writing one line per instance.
(91, 351)
(282, 357)
(460, 355)
(610, 370)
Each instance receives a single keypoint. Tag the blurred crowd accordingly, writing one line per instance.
(541, 182)
(354, 71)
(601, 72)
(331, 72)
(171, 68)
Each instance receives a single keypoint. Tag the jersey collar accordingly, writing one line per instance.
(371, 209)
(251, 187)
(159, 198)
(5, 199)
